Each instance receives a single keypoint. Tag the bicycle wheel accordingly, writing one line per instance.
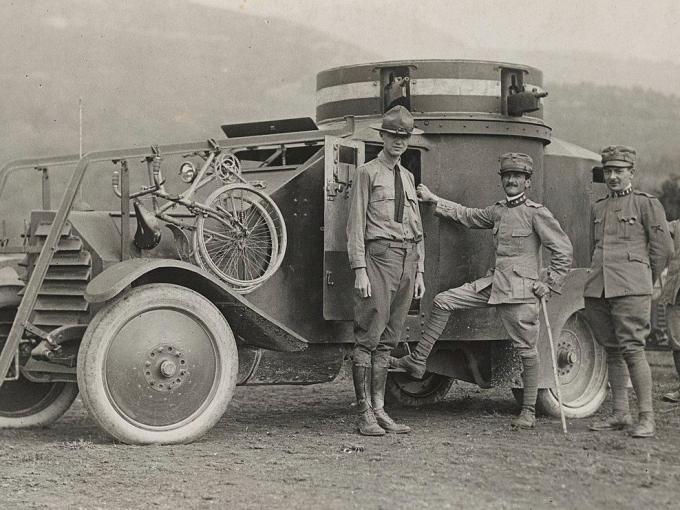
(245, 241)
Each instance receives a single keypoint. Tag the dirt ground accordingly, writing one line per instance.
(295, 447)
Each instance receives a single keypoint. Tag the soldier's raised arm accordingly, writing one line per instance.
(468, 216)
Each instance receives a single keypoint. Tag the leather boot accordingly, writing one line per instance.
(617, 421)
(618, 375)
(525, 420)
(367, 424)
(527, 416)
(378, 381)
(415, 363)
(674, 396)
(645, 426)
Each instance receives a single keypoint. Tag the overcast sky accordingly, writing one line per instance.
(644, 29)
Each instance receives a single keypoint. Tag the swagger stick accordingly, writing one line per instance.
(544, 307)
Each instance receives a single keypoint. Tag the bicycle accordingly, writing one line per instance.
(239, 233)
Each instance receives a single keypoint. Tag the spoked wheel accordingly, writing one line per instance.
(582, 371)
(158, 365)
(246, 243)
(27, 404)
(403, 389)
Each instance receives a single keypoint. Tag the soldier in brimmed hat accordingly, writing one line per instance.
(632, 246)
(520, 227)
(386, 252)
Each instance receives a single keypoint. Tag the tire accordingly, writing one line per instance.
(246, 245)
(405, 390)
(673, 324)
(27, 404)
(158, 365)
(582, 370)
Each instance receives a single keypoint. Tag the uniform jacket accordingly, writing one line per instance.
(632, 245)
(518, 233)
(371, 213)
(671, 286)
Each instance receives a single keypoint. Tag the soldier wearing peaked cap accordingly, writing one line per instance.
(520, 227)
(386, 252)
(632, 246)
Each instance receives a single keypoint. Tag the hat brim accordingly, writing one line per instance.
(378, 127)
(617, 163)
(520, 170)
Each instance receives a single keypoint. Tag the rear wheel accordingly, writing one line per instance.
(408, 391)
(158, 365)
(582, 372)
(27, 404)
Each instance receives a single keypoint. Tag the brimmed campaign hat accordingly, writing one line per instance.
(516, 162)
(398, 121)
(618, 155)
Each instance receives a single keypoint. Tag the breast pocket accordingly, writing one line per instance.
(628, 225)
(520, 239)
(382, 202)
(599, 228)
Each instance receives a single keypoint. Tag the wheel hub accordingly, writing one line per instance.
(165, 368)
(568, 355)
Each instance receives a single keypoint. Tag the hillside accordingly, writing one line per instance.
(164, 71)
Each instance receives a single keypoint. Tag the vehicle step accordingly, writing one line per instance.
(59, 303)
(43, 230)
(61, 273)
(66, 244)
(76, 288)
(82, 258)
(46, 319)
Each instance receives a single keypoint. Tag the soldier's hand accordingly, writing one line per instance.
(361, 283)
(419, 288)
(425, 195)
(541, 289)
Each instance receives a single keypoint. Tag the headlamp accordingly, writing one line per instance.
(187, 172)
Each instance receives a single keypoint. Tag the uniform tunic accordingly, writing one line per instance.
(518, 232)
(392, 252)
(632, 246)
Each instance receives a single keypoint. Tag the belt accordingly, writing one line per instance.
(406, 244)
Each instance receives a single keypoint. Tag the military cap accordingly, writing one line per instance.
(516, 162)
(398, 121)
(618, 155)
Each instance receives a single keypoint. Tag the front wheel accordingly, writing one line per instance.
(158, 365)
(405, 390)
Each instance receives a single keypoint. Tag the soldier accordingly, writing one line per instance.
(668, 298)
(520, 227)
(632, 246)
(386, 252)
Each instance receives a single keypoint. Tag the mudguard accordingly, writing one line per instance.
(254, 326)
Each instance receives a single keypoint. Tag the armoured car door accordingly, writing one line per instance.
(342, 159)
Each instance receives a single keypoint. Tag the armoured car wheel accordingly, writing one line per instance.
(673, 321)
(247, 243)
(582, 370)
(27, 404)
(406, 390)
(158, 365)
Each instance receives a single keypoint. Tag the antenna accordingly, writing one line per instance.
(80, 126)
